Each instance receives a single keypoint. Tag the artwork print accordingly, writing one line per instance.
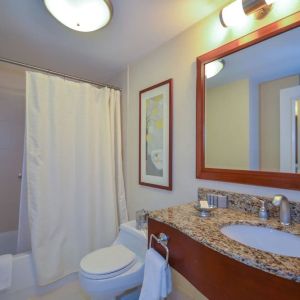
(155, 136)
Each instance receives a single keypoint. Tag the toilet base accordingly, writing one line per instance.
(103, 298)
(132, 294)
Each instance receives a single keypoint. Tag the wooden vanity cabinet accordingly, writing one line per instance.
(217, 276)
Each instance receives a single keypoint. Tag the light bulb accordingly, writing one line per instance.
(213, 68)
(81, 15)
(233, 14)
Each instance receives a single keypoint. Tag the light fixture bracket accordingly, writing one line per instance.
(251, 6)
(262, 12)
(259, 8)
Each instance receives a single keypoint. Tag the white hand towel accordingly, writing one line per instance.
(157, 283)
(5, 271)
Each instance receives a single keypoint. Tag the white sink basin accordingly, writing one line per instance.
(264, 238)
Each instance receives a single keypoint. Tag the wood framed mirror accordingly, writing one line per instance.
(247, 115)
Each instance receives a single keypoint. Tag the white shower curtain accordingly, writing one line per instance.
(74, 177)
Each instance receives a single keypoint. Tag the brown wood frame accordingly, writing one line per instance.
(271, 179)
(170, 83)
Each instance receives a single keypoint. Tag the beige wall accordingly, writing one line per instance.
(227, 126)
(183, 289)
(177, 59)
(269, 94)
(12, 122)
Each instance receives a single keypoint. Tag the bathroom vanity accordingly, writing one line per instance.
(222, 268)
(247, 125)
(235, 142)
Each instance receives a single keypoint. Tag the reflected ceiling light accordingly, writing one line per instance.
(213, 68)
(81, 15)
(236, 12)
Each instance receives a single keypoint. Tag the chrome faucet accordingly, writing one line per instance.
(285, 212)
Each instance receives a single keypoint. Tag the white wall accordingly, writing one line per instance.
(270, 121)
(177, 59)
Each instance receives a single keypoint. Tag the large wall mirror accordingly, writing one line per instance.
(248, 108)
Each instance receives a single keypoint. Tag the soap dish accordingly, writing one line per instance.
(204, 212)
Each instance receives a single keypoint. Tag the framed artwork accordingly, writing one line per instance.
(155, 130)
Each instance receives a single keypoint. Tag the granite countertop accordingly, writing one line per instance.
(185, 218)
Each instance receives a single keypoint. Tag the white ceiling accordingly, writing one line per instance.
(28, 33)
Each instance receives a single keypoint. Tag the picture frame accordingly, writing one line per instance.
(155, 135)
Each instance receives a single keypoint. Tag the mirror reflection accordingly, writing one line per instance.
(252, 107)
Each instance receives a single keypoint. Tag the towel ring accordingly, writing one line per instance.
(162, 239)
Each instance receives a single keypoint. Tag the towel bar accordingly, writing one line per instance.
(162, 239)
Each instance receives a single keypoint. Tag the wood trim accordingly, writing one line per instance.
(170, 82)
(217, 276)
(270, 179)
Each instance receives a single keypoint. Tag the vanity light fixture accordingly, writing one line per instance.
(213, 68)
(236, 12)
(81, 15)
(268, 2)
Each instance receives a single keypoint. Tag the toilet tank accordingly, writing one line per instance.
(133, 239)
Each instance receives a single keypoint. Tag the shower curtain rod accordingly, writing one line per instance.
(57, 73)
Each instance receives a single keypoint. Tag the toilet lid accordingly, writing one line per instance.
(107, 260)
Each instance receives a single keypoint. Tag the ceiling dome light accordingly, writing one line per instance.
(213, 68)
(81, 15)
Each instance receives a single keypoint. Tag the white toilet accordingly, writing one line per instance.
(109, 272)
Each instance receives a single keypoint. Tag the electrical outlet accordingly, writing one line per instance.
(222, 201)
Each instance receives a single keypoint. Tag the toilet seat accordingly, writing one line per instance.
(107, 262)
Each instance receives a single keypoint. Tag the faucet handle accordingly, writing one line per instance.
(263, 202)
(263, 212)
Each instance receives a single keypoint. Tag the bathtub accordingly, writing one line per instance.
(8, 242)
(23, 280)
